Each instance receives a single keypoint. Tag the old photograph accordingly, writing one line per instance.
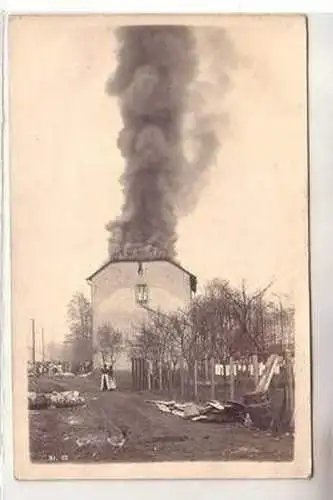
(159, 246)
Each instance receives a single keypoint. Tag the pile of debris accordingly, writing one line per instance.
(211, 411)
(253, 410)
(39, 401)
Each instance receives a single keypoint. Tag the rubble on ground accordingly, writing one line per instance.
(211, 411)
(253, 410)
(38, 401)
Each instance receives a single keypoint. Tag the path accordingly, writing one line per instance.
(81, 434)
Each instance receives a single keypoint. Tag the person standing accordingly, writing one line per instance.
(112, 382)
(105, 384)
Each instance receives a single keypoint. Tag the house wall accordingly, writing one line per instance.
(113, 297)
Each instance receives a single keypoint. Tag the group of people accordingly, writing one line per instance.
(45, 368)
(54, 368)
(108, 382)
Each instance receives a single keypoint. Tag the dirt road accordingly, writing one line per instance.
(95, 432)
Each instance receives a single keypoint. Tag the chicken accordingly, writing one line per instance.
(118, 441)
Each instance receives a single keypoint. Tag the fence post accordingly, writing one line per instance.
(136, 374)
(149, 374)
(255, 370)
(170, 385)
(181, 373)
(206, 369)
(139, 372)
(290, 404)
(195, 380)
(232, 379)
(143, 374)
(212, 374)
(133, 374)
(224, 369)
(160, 374)
(136, 370)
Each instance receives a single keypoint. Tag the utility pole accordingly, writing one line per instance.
(33, 332)
(43, 346)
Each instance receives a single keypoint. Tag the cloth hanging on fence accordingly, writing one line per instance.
(219, 369)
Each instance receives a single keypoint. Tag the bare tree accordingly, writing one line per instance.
(219, 317)
(141, 345)
(279, 325)
(79, 338)
(245, 338)
(80, 315)
(110, 342)
(184, 340)
(221, 322)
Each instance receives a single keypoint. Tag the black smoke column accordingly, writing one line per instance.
(156, 65)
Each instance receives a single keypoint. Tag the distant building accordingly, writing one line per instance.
(123, 293)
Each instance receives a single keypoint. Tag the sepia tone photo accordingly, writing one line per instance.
(159, 246)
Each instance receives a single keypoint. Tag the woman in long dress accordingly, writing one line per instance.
(112, 382)
(105, 383)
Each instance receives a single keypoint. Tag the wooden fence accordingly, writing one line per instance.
(207, 377)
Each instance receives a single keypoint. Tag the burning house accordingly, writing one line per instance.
(153, 83)
(125, 293)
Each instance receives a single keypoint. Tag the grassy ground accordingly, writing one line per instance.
(80, 434)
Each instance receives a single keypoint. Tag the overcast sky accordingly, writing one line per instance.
(250, 219)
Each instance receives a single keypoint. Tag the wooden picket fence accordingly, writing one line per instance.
(204, 376)
(139, 374)
(156, 376)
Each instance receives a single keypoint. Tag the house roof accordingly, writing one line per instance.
(113, 261)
